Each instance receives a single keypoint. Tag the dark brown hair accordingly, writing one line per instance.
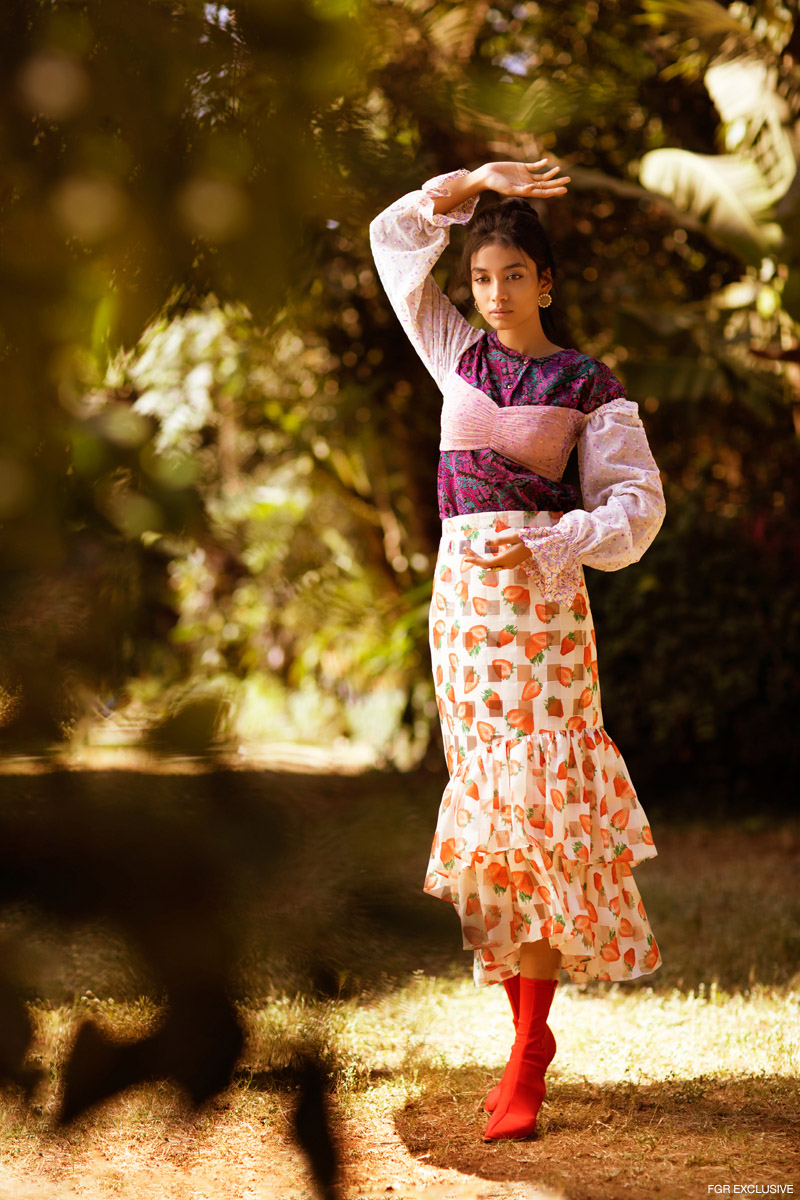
(515, 223)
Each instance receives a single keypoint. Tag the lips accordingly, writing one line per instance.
(499, 312)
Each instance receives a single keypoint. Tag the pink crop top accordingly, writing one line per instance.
(537, 436)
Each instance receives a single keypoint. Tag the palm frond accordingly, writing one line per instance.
(724, 191)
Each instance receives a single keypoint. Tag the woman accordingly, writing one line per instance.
(539, 826)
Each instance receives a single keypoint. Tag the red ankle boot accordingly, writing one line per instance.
(512, 991)
(523, 1088)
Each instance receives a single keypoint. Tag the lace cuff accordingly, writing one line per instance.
(554, 564)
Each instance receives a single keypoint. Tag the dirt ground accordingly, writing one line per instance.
(601, 1136)
(667, 1141)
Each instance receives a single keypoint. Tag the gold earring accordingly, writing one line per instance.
(545, 300)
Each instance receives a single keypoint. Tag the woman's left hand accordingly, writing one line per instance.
(504, 559)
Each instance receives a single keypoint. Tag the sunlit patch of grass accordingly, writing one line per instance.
(627, 1032)
(643, 1083)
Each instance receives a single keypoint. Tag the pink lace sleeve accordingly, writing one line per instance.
(554, 563)
(624, 503)
(407, 239)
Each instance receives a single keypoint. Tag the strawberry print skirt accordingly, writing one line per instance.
(539, 827)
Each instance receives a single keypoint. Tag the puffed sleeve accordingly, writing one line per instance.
(407, 238)
(624, 505)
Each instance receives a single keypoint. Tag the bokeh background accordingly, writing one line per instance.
(217, 449)
(220, 756)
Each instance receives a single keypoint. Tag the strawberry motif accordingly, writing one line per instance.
(535, 647)
(651, 958)
(520, 718)
(474, 638)
(610, 951)
(578, 607)
(557, 798)
(546, 612)
(523, 881)
(535, 769)
(471, 680)
(498, 875)
(518, 597)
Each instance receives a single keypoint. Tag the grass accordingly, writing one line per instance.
(687, 1078)
(650, 1093)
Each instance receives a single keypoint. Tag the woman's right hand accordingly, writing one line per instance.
(518, 179)
(508, 178)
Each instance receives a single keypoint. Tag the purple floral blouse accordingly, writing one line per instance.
(486, 481)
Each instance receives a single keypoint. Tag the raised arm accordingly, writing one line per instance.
(408, 237)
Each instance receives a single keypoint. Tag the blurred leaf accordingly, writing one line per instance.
(724, 191)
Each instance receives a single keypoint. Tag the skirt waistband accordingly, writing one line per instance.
(509, 519)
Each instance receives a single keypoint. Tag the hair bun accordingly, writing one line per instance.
(518, 204)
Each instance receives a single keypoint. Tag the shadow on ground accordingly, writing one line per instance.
(317, 882)
(603, 1141)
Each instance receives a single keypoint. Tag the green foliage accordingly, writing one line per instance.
(201, 366)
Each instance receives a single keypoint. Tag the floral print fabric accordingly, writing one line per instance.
(620, 484)
(539, 827)
(485, 481)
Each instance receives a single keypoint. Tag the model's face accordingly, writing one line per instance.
(506, 285)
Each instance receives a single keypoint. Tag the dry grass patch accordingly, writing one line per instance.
(688, 1078)
(649, 1095)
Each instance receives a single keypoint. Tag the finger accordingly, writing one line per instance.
(548, 183)
(537, 190)
(542, 193)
